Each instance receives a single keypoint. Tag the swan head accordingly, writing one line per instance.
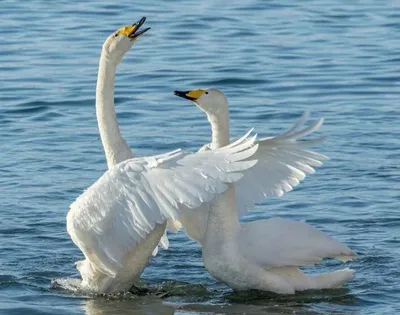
(120, 41)
(211, 101)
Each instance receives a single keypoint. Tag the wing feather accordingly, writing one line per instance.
(282, 164)
(114, 214)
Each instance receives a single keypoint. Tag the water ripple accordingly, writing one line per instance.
(274, 60)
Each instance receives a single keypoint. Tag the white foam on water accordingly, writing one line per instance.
(74, 285)
(70, 284)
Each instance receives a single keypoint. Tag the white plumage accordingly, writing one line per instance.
(283, 164)
(116, 150)
(263, 254)
(119, 210)
(126, 203)
(119, 220)
(289, 243)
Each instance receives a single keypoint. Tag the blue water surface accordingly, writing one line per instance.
(273, 59)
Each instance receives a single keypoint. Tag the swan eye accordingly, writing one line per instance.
(206, 92)
(116, 35)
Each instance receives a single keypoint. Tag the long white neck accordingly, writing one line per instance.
(115, 147)
(220, 129)
(223, 224)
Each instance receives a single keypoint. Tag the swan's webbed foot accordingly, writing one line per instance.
(140, 290)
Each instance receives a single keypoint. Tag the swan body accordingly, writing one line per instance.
(263, 254)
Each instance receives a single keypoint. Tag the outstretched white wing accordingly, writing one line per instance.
(127, 202)
(282, 164)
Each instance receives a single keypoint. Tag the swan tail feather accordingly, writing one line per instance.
(332, 280)
(346, 258)
(301, 282)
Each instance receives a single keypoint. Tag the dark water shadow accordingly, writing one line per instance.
(177, 297)
(340, 295)
(332, 301)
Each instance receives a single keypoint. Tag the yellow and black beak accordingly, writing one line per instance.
(132, 31)
(192, 95)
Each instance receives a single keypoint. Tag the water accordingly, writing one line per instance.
(274, 59)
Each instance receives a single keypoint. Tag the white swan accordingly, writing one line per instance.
(115, 147)
(118, 222)
(263, 254)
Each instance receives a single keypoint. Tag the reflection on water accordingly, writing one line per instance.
(134, 305)
(182, 298)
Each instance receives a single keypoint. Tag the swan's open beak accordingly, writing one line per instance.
(132, 31)
(192, 95)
